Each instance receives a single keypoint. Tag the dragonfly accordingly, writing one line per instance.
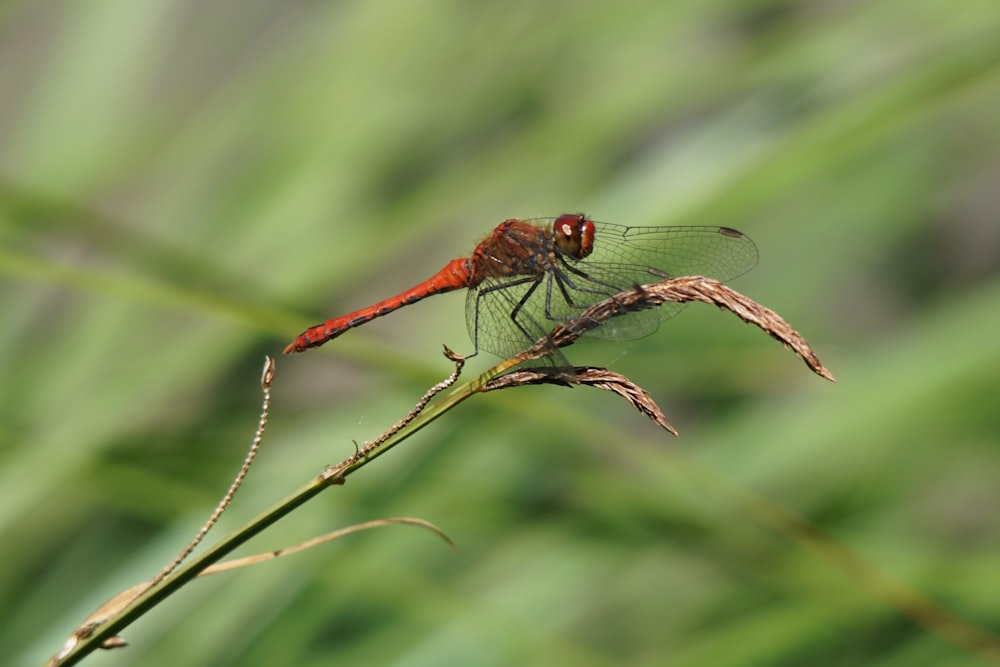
(530, 275)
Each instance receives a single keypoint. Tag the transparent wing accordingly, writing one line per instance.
(626, 256)
(715, 252)
(503, 315)
(507, 314)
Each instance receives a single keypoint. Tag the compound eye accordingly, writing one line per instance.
(573, 234)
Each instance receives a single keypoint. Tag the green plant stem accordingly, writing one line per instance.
(332, 476)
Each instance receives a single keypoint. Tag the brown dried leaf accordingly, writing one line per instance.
(682, 290)
(600, 378)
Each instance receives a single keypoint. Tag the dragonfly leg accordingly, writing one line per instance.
(517, 308)
(562, 277)
(520, 304)
(563, 281)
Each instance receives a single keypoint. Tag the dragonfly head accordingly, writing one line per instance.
(573, 234)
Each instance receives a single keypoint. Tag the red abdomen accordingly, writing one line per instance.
(455, 275)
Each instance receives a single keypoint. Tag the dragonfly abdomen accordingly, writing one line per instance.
(455, 275)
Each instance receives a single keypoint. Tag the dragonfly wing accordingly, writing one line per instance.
(627, 256)
(635, 325)
(503, 317)
(507, 314)
(653, 253)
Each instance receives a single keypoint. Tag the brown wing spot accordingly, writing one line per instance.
(729, 231)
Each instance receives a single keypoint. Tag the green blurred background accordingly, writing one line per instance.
(184, 186)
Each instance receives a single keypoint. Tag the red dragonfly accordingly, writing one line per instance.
(527, 276)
